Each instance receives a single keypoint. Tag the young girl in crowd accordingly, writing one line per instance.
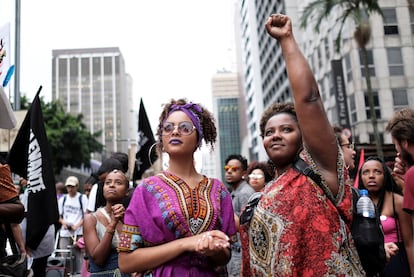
(375, 177)
(179, 222)
(102, 228)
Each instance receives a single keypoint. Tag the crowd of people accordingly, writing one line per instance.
(179, 222)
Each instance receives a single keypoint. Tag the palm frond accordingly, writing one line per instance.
(342, 19)
(318, 11)
(314, 9)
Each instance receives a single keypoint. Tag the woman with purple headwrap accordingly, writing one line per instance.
(179, 222)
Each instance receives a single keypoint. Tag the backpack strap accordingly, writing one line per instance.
(301, 166)
(80, 203)
(355, 196)
(63, 204)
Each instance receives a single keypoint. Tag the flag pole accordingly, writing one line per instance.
(145, 155)
(38, 91)
(17, 57)
(360, 163)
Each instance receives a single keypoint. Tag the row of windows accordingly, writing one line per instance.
(76, 66)
(395, 64)
(391, 21)
(399, 98)
(394, 58)
(356, 138)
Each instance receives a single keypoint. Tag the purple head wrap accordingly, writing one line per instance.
(190, 109)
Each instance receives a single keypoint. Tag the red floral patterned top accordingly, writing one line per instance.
(297, 231)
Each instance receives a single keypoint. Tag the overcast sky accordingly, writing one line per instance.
(171, 48)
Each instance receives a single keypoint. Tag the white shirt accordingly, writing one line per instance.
(92, 198)
(72, 213)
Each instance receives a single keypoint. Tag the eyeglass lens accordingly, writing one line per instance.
(185, 128)
(256, 176)
(349, 145)
(232, 168)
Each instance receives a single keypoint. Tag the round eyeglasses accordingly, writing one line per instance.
(185, 128)
(349, 145)
(256, 176)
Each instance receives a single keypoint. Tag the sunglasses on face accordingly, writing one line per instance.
(349, 145)
(256, 176)
(233, 168)
(185, 128)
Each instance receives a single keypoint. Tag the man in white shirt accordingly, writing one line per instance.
(72, 208)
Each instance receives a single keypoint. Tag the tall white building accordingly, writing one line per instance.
(93, 82)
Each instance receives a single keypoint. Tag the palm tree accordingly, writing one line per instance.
(359, 11)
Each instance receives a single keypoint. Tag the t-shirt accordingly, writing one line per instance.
(72, 212)
(240, 196)
(408, 203)
(92, 198)
(96, 197)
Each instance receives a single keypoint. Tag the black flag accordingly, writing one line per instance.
(30, 158)
(146, 153)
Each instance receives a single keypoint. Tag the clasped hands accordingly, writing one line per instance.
(391, 249)
(211, 242)
(118, 211)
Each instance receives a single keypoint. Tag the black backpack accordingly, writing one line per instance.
(369, 240)
(367, 232)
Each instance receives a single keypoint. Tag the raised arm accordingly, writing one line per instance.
(317, 133)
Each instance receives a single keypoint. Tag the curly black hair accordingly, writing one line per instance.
(275, 109)
(207, 122)
(264, 166)
(238, 157)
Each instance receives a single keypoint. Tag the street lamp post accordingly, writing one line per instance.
(17, 58)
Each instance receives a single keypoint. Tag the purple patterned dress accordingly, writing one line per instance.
(164, 208)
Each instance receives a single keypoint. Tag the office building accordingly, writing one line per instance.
(228, 110)
(93, 82)
(390, 56)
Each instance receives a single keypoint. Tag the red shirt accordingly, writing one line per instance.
(408, 204)
(297, 231)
